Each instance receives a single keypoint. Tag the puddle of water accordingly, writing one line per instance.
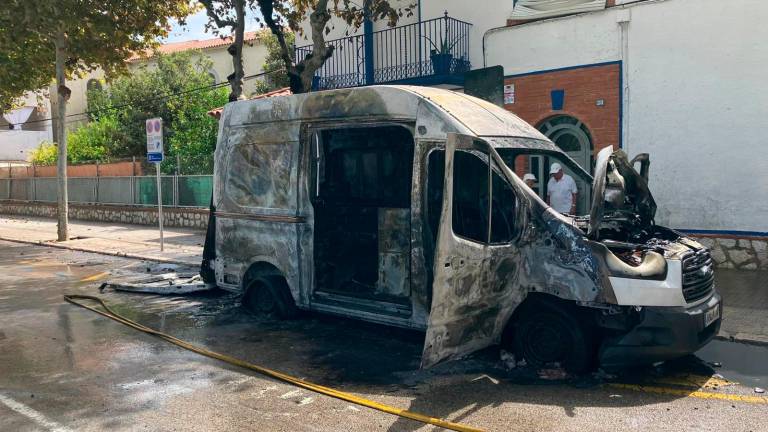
(743, 363)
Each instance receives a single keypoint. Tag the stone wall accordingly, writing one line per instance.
(738, 253)
(140, 215)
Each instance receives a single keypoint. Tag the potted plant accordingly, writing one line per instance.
(441, 54)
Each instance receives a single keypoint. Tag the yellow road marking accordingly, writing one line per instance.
(697, 381)
(692, 393)
(97, 276)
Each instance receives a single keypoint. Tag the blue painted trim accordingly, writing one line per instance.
(557, 99)
(621, 86)
(368, 49)
(539, 72)
(725, 232)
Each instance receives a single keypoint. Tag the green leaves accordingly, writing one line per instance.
(178, 89)
(98, 33)
(46, 154)
(274, 62)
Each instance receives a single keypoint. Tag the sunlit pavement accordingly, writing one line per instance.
(65, 368)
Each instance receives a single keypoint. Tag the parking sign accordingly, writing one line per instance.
(155, 139)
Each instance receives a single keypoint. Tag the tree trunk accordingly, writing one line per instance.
(62, 94)
(320, 51)
(303, 71)
(236, 51)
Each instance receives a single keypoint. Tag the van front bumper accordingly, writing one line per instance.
(663, 333)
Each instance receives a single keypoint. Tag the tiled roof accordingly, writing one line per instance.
(196, 44)
(285, 91)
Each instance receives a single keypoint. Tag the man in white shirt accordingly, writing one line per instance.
(561, 190)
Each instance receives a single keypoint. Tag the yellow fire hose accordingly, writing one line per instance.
(109, 313)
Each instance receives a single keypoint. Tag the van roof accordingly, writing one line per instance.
(466, 114)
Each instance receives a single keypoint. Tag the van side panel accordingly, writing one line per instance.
(257, 194)
(243, 241)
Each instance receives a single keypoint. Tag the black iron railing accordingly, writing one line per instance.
(437, 47)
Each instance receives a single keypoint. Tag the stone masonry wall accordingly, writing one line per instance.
(738, 253)
(140, 215)
(735, 253)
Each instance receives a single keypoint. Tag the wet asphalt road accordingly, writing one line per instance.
(66, 368)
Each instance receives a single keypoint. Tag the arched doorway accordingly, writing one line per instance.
(572, 136)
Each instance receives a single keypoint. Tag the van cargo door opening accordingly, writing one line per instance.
(362, 205)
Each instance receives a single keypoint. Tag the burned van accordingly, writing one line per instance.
(404, 206)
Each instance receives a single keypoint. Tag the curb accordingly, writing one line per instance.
(738, 339)
(97, 251)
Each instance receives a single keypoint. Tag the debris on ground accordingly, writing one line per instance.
(715, 364)
(165, 284)
(508, 359)
(490, 378)
(556, 373)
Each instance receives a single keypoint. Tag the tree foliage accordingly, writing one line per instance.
(175, 87)
(273, 63)
(95, 33)
(67, 37)
(45, 154)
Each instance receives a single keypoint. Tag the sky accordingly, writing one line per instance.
(195, 28)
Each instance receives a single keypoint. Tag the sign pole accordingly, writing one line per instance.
(155, 154)
(159, 204)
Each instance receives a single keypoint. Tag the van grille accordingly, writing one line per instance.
(698, 276)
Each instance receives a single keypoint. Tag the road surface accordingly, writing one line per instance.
(64, 368)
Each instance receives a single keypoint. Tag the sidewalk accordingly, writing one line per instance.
(745, 304)
(182, 245)
(745, 292)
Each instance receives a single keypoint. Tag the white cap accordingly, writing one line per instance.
(554, 168)
(529, 176)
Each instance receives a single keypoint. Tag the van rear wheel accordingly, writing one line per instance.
(547, 335)
(269, 296)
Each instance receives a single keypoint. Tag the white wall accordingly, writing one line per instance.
(695, 100)
(698, 102)
(16, 145)
(558, 42)
(482, 15)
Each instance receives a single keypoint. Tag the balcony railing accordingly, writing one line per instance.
(437, 47)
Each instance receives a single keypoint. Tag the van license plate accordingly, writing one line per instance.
(712, 315)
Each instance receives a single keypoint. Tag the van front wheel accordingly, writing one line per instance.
(548, 335)
(269, 296)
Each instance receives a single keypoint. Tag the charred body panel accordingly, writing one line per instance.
(425, 266)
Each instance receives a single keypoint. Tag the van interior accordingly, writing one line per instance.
(362, 206)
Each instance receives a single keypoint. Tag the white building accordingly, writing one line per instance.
(22, 129)
(682, 80)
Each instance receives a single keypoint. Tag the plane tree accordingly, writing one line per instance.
(57, 39)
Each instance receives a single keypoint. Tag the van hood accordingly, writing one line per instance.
(619, 192)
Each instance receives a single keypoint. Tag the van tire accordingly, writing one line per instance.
(547, 334)
(269, 295)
